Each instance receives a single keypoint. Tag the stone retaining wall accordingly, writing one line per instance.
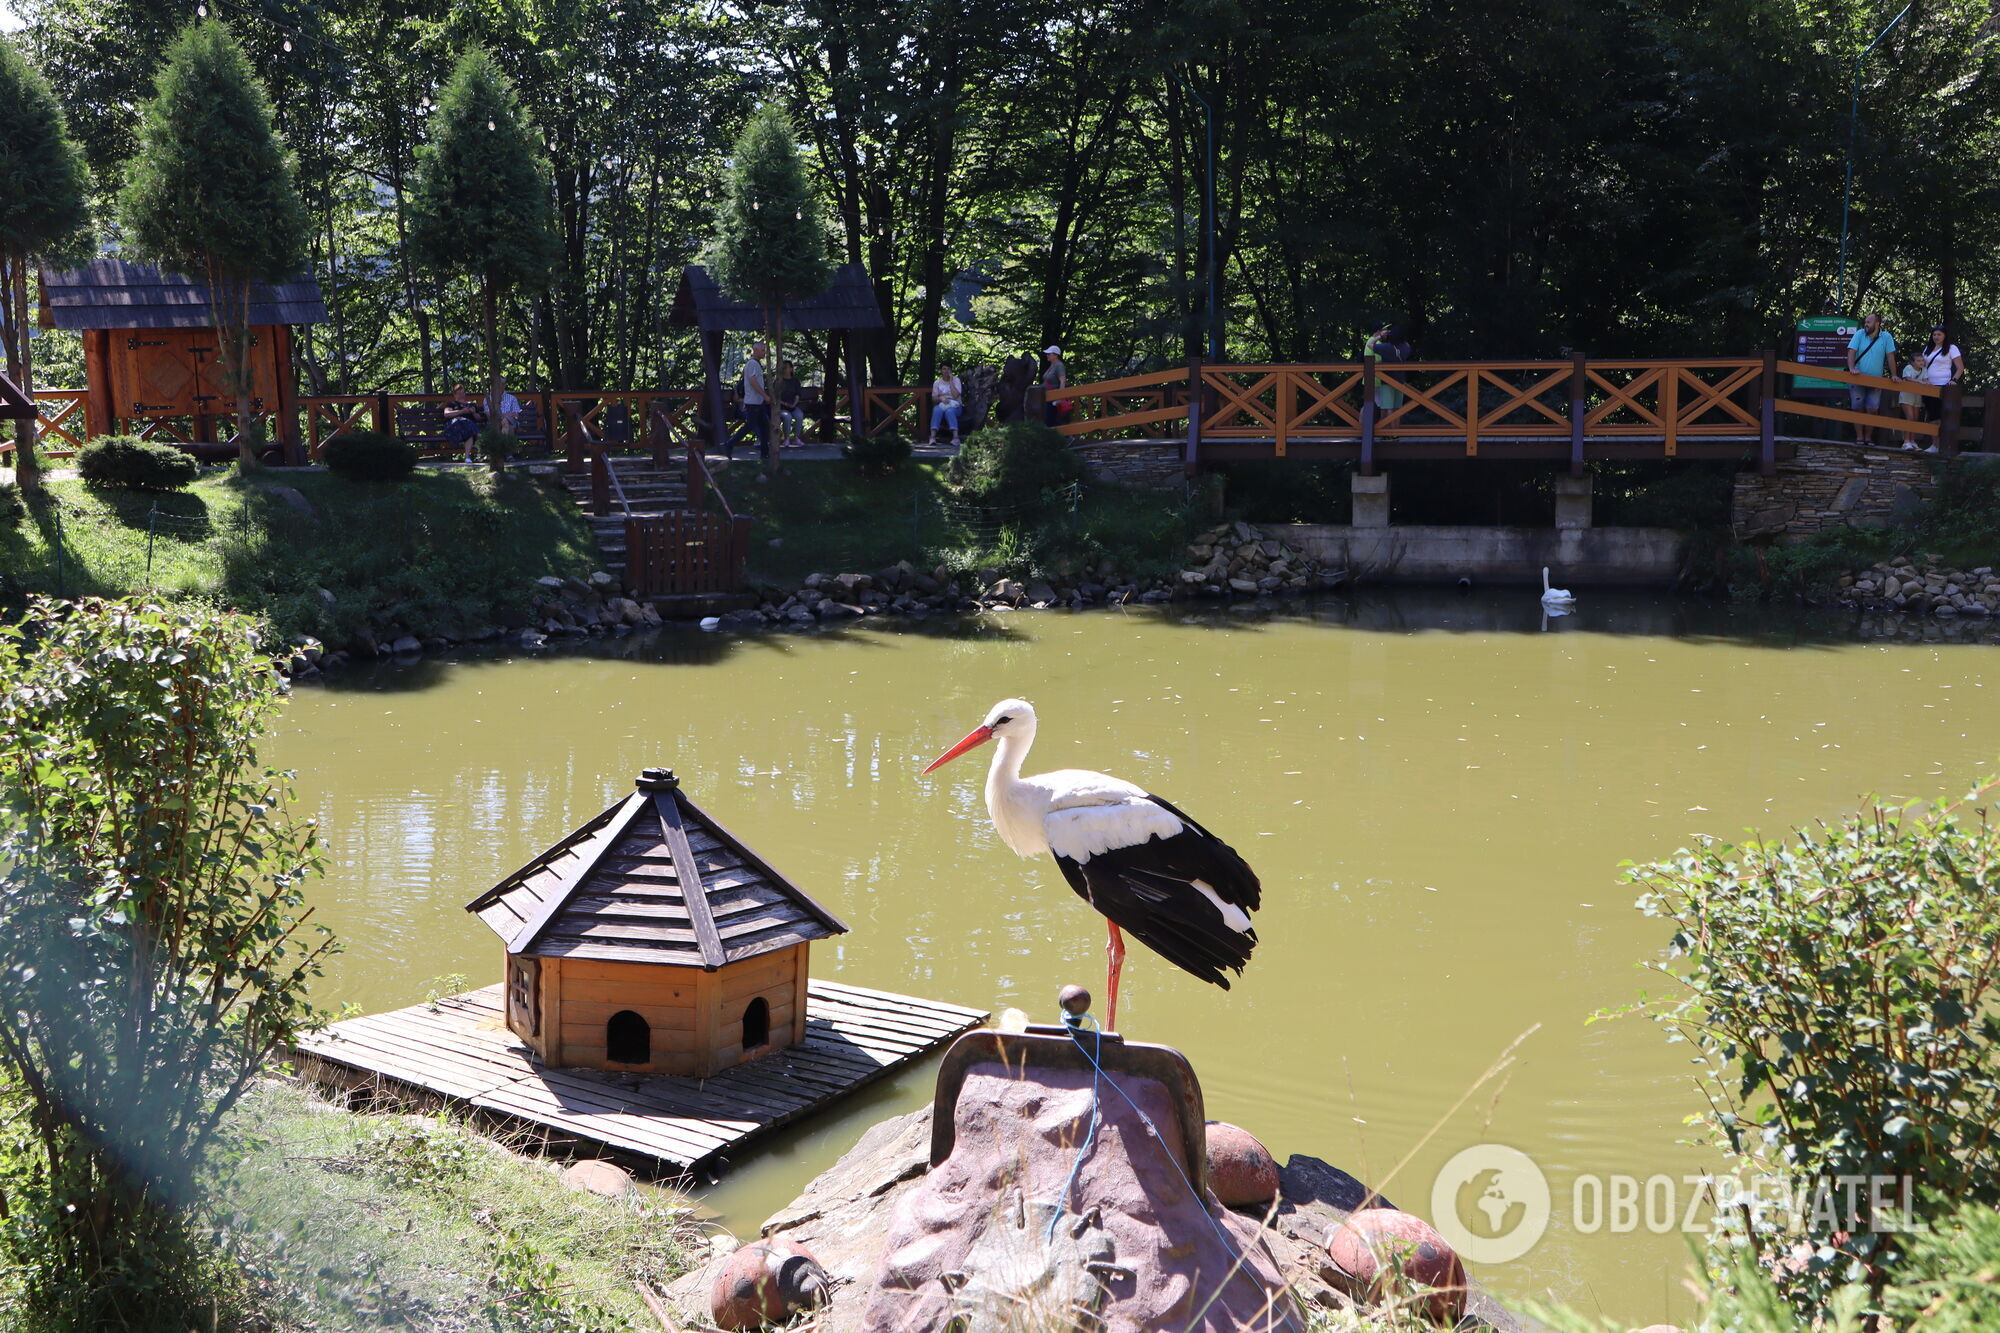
(1828, 485)
(1151, 466)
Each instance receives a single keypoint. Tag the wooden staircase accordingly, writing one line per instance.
(647, 489)
(688, 561)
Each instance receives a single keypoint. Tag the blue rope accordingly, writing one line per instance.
(1100, 1075)
(1074, 1022)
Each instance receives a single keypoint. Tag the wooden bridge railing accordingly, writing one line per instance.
(1486, 405)
(685, 553)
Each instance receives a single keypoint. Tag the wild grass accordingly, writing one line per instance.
(352, 1220)
(438, 553)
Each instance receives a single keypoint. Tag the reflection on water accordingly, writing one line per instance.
(1436, 789)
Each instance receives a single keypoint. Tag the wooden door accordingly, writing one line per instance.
(524, 1010)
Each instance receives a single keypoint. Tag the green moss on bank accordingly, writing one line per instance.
(439, 553)
(380, 1221)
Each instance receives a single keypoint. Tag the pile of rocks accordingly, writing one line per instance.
(1233, 560)
(556, 608)
(1925, 586)
(1237, 559)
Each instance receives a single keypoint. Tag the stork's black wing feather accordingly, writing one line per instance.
(1147, 891)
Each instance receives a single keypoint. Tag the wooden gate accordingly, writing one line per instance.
(685, 552)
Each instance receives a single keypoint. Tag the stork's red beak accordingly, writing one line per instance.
(977, 737)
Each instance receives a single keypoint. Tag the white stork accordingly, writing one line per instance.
(1152, 871)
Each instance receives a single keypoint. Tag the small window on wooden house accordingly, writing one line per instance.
(757, 1024)
(628, 1039)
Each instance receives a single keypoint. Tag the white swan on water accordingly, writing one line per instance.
(1555, 596)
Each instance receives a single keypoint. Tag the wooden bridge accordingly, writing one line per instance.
(1570, 411)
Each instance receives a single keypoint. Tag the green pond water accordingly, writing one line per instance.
(1436, 791)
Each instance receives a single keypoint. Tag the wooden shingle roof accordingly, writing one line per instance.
(118, 294)
(848, 304)
(617, 889)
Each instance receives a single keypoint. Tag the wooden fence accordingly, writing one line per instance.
(1716, 407)
(685, 553)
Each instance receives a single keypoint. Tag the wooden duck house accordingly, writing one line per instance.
(652, 940)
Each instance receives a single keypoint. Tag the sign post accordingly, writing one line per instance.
(1822, 341)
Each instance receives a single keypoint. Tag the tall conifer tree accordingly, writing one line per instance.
(482, 201)
(770, 244)
(43, 216)
(211, 194)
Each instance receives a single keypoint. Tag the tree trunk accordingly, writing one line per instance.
(491, 302)
(21, 369)
(773, 381)
(234, 337)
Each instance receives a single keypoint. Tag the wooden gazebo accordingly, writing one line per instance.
(149, 344)
(652, 940)
(848, 306)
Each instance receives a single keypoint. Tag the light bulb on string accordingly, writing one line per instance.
(754, 205)
(799, 215)
(201, 11)
(491, 126)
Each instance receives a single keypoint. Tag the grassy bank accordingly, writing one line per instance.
(438, 553)
(828, 517)
(363, 1221)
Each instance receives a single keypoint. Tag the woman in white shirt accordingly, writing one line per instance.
(947, 397)
(1942, 363)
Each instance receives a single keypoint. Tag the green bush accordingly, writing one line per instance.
(1020, 465)
(366, 455)
(496, 445)
(11, 506)
(877, 455)
(125, 462)
(1838, 988)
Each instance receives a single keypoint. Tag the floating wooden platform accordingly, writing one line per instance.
(461, 1050)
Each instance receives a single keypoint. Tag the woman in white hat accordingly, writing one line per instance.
(1055, 378)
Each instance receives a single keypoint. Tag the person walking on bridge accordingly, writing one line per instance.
(1871, 351)
(1055, 378)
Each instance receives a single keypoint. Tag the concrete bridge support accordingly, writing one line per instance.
(1573, 501)
(1371, 500)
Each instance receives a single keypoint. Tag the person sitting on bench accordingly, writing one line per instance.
(463, 417)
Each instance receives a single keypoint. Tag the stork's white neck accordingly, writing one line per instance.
(1013, 804)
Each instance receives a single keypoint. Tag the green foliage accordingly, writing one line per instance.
(496, 446)
(481, 205)
(210, 194)
(1019, 465)
(1687, 497)
(769, 245)
(417, 1152)
(44, 211)
(154, 957)
(366, 455)
(130, 463)
(877, 455)
(530, 1295)
(1839, 989)
(12, 509)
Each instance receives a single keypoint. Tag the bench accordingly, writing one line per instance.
(422, 424)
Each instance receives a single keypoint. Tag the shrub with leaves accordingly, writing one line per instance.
(155, 955)
(496, 446)
(877, 455)
(1841, 989)
(126, 462)
(1020, 465)
(12, 509)
(366, 455)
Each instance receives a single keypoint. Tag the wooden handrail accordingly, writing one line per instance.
(1853, 377)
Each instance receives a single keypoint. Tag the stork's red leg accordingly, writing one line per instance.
(1116, 951)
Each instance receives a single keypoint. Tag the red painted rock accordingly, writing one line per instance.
(1241, 1170)
(1393, 1255)
(766, 1282)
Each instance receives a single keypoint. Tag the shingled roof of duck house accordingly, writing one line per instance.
(606, 944)
(616, 889)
